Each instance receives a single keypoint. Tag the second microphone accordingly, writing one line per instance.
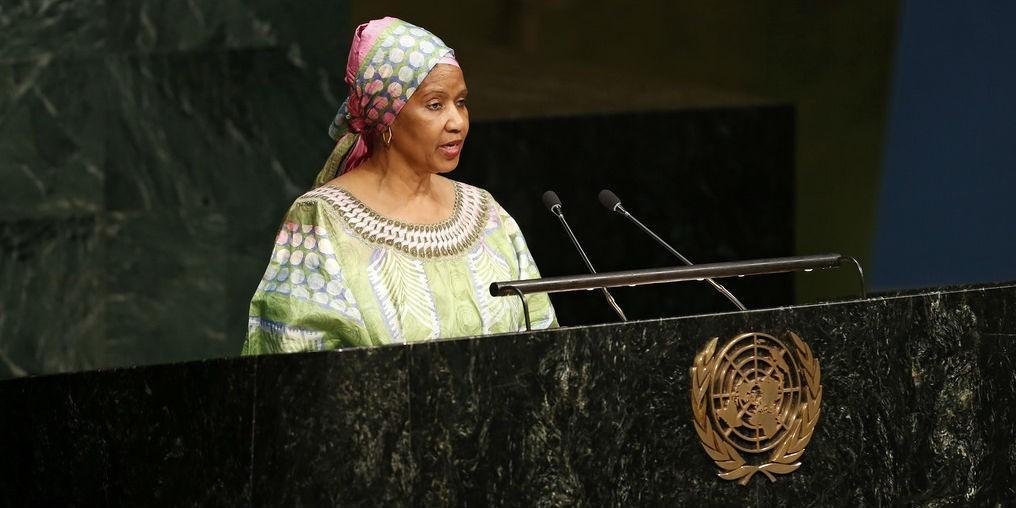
(553, 204)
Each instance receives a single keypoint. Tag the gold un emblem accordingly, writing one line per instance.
(754, 395)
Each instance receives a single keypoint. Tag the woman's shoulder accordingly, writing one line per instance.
(497, 216)
(328, 200)
(475, 194)
(318, 196)
(482, 202)
(318, 207)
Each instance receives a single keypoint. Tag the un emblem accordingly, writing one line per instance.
(755, 395)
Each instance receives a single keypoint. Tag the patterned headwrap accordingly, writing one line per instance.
(388, 60)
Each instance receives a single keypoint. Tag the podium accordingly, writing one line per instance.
(918, 408)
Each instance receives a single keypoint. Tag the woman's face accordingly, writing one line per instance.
(432, 126)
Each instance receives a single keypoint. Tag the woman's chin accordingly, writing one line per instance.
(442, 167)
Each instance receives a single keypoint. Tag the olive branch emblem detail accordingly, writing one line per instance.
(754, 396)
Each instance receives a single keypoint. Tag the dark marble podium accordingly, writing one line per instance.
(919, 408)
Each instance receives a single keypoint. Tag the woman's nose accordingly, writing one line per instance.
(456, 120)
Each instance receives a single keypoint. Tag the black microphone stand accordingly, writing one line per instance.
(553, 203)
(613, 203)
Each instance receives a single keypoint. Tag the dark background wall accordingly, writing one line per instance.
(716, 156)
(946, 207)
(148, 147)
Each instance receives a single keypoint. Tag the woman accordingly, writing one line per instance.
(384, 249)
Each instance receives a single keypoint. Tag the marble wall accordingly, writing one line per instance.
(917, 410)
(144, 145)
(148, 150)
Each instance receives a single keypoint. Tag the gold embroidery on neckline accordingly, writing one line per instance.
(449, 237)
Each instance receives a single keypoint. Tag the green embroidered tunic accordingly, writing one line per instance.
(342, 275)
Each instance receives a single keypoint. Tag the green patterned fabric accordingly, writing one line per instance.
(341, 275)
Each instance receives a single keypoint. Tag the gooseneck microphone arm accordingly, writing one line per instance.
(611, 202)
(553, 203)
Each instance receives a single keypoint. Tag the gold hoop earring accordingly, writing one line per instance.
(387, 136)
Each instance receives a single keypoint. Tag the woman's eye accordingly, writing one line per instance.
(434, 106)
(461, 103)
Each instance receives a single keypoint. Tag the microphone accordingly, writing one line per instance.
(613, 203)
(553, 203)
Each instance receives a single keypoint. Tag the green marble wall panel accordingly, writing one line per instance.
(315, 36)
(160, 26)
(51, 195)
(52, 117)
(45, 29)
(216, 130)
(147, 150)
(72, 29)
(52, 315)
(165, 286)
(31, 29)
(171, 25)
(165, 131)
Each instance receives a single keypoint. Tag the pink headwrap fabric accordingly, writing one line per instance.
(388, 60)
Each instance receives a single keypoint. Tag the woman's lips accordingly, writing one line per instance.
(451, 150)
